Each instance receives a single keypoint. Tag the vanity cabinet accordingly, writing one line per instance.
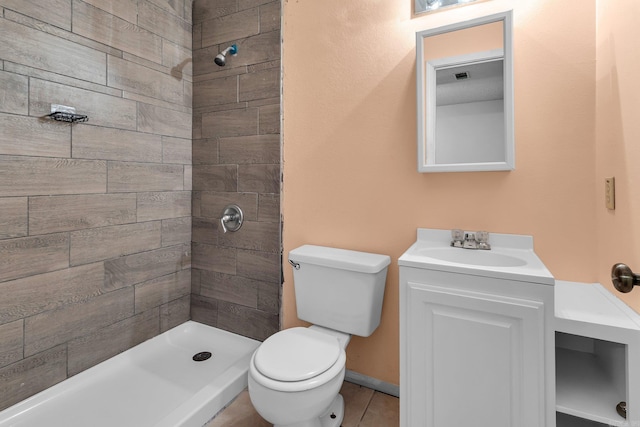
(489, 338)
(476, 334)
(475, 351)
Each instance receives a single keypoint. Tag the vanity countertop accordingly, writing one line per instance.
(588, 309)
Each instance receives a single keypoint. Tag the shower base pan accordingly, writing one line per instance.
(181, 378)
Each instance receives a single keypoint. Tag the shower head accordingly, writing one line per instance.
(221, 57)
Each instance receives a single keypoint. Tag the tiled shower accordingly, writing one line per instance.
(236, 160)
(109, 229)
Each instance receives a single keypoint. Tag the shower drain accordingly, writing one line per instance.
(202, 356)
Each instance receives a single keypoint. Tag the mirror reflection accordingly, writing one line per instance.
(469, 108)
(465, 96)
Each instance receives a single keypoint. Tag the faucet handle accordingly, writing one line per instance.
(457, 237)
(482, 237)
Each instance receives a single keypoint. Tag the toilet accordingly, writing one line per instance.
(296, 374)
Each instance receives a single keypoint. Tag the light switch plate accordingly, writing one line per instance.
(610, 192)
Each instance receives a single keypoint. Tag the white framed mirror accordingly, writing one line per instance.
(465, 96)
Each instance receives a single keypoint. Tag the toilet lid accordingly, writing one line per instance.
(296, 354)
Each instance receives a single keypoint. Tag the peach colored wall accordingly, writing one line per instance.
(462, 42)
(618, 138)
(349, 132)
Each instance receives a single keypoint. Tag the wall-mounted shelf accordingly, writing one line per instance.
(64, 113)
(597, 337)
(61, 116)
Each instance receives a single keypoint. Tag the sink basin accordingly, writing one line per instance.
(471, 257)
(511, 257)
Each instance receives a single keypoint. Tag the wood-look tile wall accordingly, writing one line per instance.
(95, 218)
(236, 277)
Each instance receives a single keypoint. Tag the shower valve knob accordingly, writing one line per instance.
(232, 218)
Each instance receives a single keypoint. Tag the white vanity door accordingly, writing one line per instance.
(474, 359)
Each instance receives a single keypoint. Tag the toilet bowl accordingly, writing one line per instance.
(295, 377)
(296, 374)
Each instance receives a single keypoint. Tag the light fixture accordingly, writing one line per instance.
(431, 5)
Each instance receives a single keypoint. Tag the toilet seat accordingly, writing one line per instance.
(297, 354)
(281, 363)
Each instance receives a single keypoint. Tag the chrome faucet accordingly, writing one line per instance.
(470, 239)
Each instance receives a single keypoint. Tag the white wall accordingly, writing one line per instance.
(468, 132)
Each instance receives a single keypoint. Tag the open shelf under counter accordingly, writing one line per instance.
(597, 338)
(563, 420)
(585, 389)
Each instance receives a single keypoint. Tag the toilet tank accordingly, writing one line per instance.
(339, 289)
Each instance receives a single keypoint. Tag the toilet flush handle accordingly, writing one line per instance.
(294, 265)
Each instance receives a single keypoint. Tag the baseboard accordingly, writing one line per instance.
(372, 383)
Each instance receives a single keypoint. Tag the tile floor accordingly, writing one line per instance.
(363, 408)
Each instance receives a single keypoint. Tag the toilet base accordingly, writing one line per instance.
(332, 418)
(335, 414)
